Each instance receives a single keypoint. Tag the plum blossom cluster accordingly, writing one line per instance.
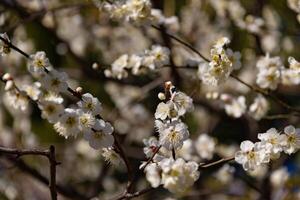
(82, 118)
(223, 61)
(272, 72)
(151, 59)
(175, 174)
(271, 144)
(138, 12)
(135, 11)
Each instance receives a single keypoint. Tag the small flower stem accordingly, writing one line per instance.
(173, 153)
(151, 158)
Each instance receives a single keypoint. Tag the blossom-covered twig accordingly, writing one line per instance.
(79, 96)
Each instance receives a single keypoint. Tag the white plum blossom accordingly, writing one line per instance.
(259, 108)
(219, 68)
(235, 58)
(250, 155)
(135, 11)
(268, 78)
(32, 90)
(178, 176)
(272, 141)
(163, 111)
(234, 107)
(100, 136)
(135, 63)
(150, 59)
(172, 135)
(186, 151)
(153, 171)
(51, 108)
(177, 106)
(291, 139)
(86, 121)
(90, 104)
(267, 62)
(68, 123)
(17, 101)
(205, 146)
(37, 63)
(118, 68)
(55, 81)
(4, 47)
(291, 75)
(111, 156)
(160, 54)
(182, 103)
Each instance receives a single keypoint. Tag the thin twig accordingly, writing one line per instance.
(136, 194)
(66, 191)
(267, 94)
(20, 153)
(182, 42)
(151, 158)
(221, 161)
(118, 148)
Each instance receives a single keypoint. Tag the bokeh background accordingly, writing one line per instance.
(75, 35)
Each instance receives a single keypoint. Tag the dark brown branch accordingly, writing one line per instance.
(53, 163)
(68, 192)
(151, 158)
(14, 47)
(20, 153)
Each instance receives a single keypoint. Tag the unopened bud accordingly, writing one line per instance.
(9, 85)
(161, 96)
(79, 90)
(226, 98)
(95, 66)
(7, 77)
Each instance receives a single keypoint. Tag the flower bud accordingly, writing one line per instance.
(79, 90)
(7, 77)
(9, 85)
(95, 66)
(161, 96)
